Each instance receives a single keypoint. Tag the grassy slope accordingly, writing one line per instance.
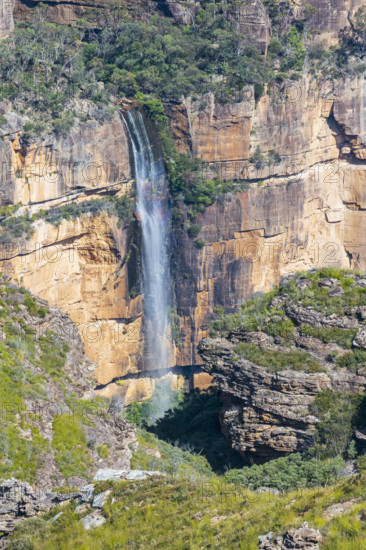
(159, 514)
(32, 370)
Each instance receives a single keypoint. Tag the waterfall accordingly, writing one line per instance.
(153, 210)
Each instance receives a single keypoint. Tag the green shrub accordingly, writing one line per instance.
(194, 230)
(15, 228)
(69, 445)
(53, 354)
(352, 360)
(338, 415)
(280, 326)
(293, 472)
(340, 336)
(122, 207)
(103, 451)
(258, 159)
(277, 360)
(199, 243)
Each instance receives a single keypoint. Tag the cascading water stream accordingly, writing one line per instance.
(153, 210)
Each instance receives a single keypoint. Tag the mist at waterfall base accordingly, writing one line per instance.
(153, 210)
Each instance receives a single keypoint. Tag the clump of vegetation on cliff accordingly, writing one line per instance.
(16, 230)
(339, 415)
(263, 312)
(120, 206)
(276, 361)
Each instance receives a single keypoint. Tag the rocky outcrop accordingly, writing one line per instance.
(328, 18)
(93, 156)
(182, 12)
(68, 11)
(251, 18)
(6, 18)
(19, 500)
(267, 411)
(302, 538)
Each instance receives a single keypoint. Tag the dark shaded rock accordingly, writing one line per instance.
(337, 291)
(326, 283)
(18, 500)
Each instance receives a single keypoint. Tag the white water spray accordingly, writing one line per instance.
(152, 207)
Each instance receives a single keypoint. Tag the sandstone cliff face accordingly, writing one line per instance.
(303, 209)
(294, 119)
(6, 18)
(308, 212)
(330, 17)
(93, 156)
(251, 18)
(266, 413)
(78, 265)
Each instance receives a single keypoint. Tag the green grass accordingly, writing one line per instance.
(53, 354)
(295, 471)
(317, 297)
(160, 514)
(351, 360)
(276, 361)
(69, 445)
(342, 337)
(25, 362)
(19, 456)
